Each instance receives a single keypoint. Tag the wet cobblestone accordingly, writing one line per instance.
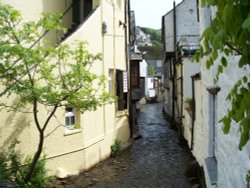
(155, 160)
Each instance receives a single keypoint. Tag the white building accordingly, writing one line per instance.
(225, 166)
(142, 39)
(180, 40)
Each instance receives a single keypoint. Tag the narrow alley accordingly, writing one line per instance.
(155, 160)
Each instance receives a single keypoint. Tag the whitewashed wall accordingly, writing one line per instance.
(186, 23)
(232, 164)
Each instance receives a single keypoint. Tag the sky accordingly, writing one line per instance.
(148, 13)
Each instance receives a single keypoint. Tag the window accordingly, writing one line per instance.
(71, 119)
(158, 63)
(121, 89)
(111, 81)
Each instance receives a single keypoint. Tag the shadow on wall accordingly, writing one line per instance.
(15, 122)
(123, 130)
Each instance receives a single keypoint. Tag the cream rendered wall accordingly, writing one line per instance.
(189, 69)
(199, 149)
(79, 149)
(31, 10)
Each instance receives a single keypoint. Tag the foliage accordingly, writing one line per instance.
(9, 162)
(248, 179)
(12, 170)
(189, 101)
(151, 71)
(155, 35)
(43, 75)
(116, 148)
(39, 178)
(228, 35)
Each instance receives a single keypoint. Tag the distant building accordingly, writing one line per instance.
(142, 39)
(153, 55)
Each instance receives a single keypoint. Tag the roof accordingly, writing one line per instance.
(135, 56)
(152, 52)
(173, 8)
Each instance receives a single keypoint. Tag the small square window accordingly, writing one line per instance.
(158, 63)
(70, 118)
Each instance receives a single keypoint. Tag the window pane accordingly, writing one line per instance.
(67, 121)
(72, 120)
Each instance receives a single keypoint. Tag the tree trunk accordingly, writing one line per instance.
(41, 139)
(36, 157)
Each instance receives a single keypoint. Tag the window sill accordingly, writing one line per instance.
(122, 113)
(211, 165)
(68, 132)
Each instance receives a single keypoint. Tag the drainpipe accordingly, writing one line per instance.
(127, 33)
(174, 62)
(128, 14)
(130, 80)
(114, 38)
(103, 65)
(213, 91)
(181, 94)
(193, 112)
(126, 27)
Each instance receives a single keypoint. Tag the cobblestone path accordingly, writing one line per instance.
(153, 161)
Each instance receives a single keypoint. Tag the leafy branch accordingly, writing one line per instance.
(229, 35)
(46, 76)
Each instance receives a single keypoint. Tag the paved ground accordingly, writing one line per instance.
(153, 161)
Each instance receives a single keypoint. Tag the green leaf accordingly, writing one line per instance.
(227, 122)
(228, 34)
(227, 51)
(224, 61)
(220, 69)
(245, 79)
(215, 54)
(245, 128)
(246, 24)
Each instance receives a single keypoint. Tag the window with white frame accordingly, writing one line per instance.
(111, 81)
(70, 118)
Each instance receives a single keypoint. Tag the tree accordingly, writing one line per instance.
(151, 71)
(155, 36)
(229, 34)
(42, 75)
